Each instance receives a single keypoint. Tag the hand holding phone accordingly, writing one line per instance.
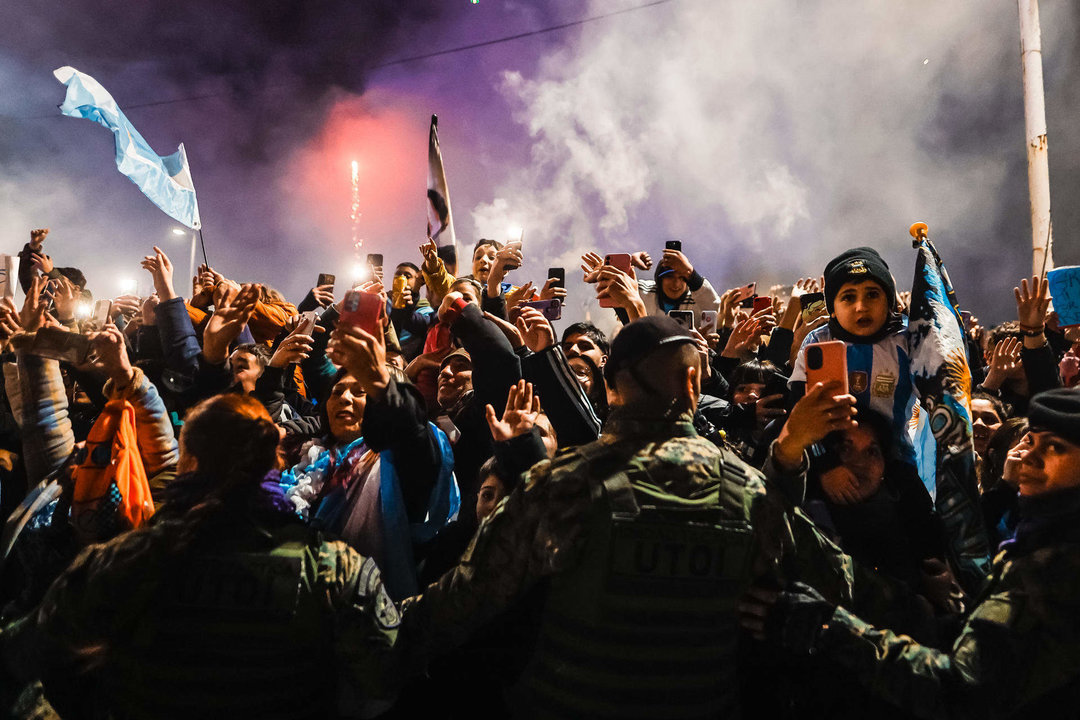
(826, 362)
(620, 261)
(683, 317)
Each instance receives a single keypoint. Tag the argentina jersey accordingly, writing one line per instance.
(879, 376)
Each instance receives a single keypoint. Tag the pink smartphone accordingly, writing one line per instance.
(826, 362)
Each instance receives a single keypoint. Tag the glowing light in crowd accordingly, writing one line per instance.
(515, 232)
(83, 310)
(129, 285)
(178, 232)
(355, 214)
(360, 272)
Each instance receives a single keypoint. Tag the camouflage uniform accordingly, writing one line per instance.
(270, 622)
(648, 537)
(1018, 654)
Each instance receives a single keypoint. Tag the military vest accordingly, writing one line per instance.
(239, 634)
(645, 623)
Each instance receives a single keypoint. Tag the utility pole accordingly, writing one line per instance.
(1035, 127)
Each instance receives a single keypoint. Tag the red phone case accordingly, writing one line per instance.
(762, 302)
(833, 365)
(363, 310)
(620, 261)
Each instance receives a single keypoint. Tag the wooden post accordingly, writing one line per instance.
(1035, 127)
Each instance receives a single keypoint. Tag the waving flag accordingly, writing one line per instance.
(942, 377)
(440, 226)
(165, 180)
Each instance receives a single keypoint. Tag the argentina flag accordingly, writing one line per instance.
(165, 180)
(940, 373)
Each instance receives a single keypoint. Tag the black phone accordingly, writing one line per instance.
(325, 279)
(748, 302)
(375, 259)
(811, 304)
(673, 245)
(559, 274)
(683, 317)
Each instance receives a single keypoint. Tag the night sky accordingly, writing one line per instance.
(767, 136)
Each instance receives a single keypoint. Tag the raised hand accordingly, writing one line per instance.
(641, 260)
(518, 295)
(161, 270)
(363, 356)
(37, 238)
(430, 251)
(725, 316)
(590, 265)
(32, 315)
(1005, 362)
(42, 262)
(551, 290)
(819, 412)
(292, 349)
(747, 334)
(9, 320)
(1032, 302)
(519, 416)
(678, 262)
(535, 329)
(108, 354)
(510, 331)
(66, 300)
(613, 283)
(228, 320)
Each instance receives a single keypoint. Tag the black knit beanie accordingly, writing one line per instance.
(856, 265)
(1057, 411)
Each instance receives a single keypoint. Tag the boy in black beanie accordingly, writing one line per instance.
(860, 294)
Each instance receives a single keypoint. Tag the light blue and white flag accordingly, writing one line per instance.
(165, 180)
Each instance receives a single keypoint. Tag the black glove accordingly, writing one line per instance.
(798, 618)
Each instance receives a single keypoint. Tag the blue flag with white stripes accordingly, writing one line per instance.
(165, 180)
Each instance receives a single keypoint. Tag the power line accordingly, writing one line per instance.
(425, 56)
(519, 36)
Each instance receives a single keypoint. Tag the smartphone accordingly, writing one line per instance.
(761, 302)
(560, 276)
(102, 313)
(620, 261)
(306, 326)
(57, 344)
(747, 303)
(683, 317)
(375, 263)
(827, 362)
(364, 310)
(708, 322)
(811, 303)
(326, 279)
(551, 309)
(673, 245)
(775, 384)
(514, 244)
(965, 320)
(397, 293)
(746, 291)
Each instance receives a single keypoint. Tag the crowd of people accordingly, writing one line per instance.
(419, 495)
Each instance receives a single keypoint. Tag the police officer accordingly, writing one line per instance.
(644, 541)
(1018, 654)
(227, 606)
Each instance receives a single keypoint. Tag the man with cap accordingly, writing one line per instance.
(640, 544)
(1018, 654)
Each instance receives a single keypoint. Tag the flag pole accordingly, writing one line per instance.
(203, 244)
(1035, 127)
